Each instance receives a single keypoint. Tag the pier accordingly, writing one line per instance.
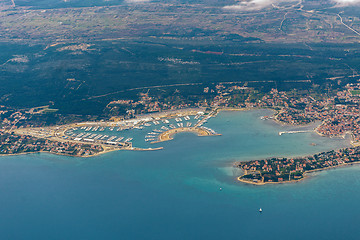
(202, 121)
(290, 132)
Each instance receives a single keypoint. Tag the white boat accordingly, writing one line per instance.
(112, 138)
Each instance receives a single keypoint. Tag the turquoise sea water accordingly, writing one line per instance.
(174, 193)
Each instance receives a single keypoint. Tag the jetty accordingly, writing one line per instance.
(202, 121)
(290, 132)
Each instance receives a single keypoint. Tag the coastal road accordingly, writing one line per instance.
(341, 20)
(181, 84)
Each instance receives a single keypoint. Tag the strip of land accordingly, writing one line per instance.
(168, 135)
(280, 170)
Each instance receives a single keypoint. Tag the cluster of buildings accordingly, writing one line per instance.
(219, 95)
(11, 143)
(16, 144)
(146, 104)
(339, 114)
(292, 169)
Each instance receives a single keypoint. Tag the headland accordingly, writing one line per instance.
(282, 170)
(200, 131)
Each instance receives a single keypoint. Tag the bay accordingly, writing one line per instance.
(175, 193)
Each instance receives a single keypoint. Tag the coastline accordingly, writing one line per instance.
(165, 136)
(200, 131)
(85, 156)
(264, 183)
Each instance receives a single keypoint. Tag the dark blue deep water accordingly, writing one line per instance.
(174, 193)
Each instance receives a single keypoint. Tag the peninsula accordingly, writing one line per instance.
(168, 135)
(279, 170)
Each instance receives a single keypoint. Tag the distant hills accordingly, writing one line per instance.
(78, 58)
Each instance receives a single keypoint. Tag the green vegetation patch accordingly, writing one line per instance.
(355, 92)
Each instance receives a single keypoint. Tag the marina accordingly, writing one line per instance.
(132, 133)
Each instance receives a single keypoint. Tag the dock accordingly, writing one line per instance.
(291, 132)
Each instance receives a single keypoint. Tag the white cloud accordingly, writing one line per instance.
(346, 2)
(252, 5)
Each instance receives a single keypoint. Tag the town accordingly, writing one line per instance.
(19, 144)
(46, 130)
(339, 114)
